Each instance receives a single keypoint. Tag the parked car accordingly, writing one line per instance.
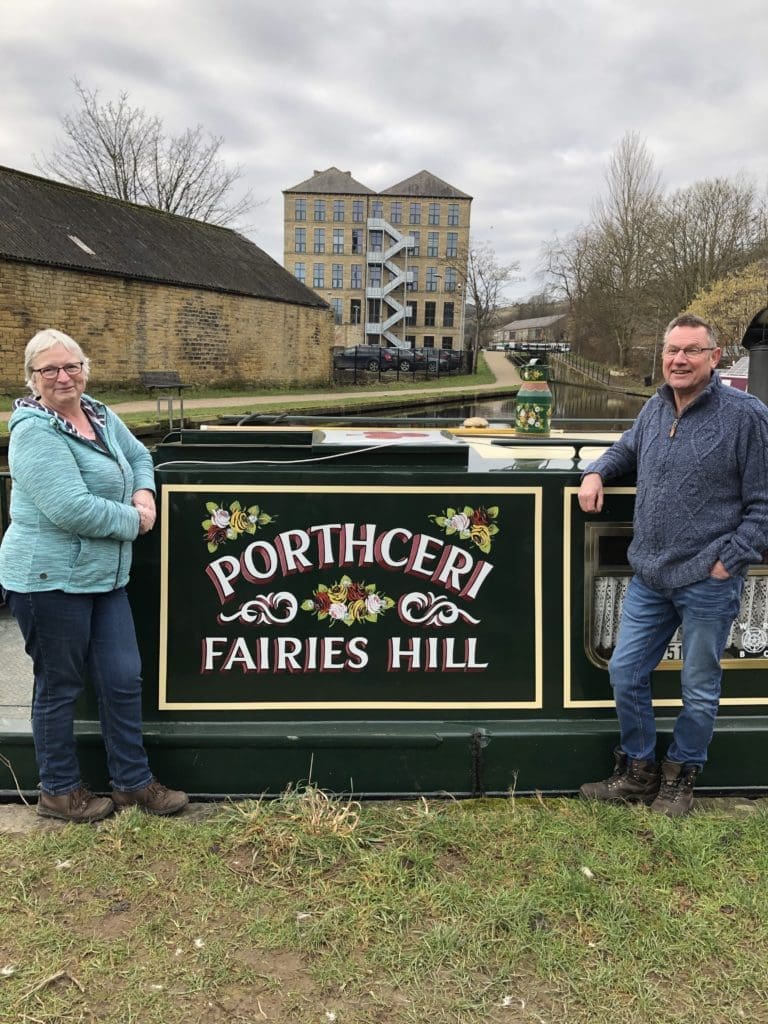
(453, 357)
(446, 359)
(365, 357)
(431, 360)
(406, 360)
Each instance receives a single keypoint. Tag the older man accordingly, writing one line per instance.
(700, 453)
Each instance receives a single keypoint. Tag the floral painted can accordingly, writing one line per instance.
(533, 403)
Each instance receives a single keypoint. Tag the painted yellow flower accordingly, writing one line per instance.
(481, 535)
(357, 610)
(239, 521)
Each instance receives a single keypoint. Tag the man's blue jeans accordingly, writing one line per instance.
(67, 635)
(649, 619)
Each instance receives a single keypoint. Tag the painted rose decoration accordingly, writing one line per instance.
(473, 524)
(347, 602)
(225, 524)
(533, 417)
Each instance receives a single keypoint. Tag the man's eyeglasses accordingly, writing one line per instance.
(52, 372)
(690, 353)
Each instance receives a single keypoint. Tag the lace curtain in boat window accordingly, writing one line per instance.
(748, 636)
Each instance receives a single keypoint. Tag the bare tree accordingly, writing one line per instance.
(708, 230)
(576, 267)
(119, 150)
(605, 269)
(626, 222)
(484, 281)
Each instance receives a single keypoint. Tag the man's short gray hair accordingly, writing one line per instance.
(44, 340)
(689, 320)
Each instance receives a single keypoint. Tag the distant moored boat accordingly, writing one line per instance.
(737, 375)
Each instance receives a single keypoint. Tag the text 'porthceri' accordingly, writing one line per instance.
(296, 551)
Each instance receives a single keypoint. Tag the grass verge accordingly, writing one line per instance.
(365, 398)
(314, 909)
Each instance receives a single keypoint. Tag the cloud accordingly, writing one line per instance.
(517, 102)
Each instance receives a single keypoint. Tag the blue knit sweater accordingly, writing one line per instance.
(72, 521)
(702, 484)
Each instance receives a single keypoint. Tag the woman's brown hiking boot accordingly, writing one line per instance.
(80, 806)
(153, 799)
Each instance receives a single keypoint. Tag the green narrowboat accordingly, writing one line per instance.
(392, 610)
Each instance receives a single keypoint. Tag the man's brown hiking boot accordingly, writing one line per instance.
(80, 806)
(676, 794)
(154, 799)
(632, 782)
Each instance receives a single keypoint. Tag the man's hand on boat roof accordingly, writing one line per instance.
(591, 493)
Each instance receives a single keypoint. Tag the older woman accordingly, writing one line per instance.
(82, 492)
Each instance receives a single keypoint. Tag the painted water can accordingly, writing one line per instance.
(533, 403)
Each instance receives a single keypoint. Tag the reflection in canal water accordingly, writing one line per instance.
(570, 405)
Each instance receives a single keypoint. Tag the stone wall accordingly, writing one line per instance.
(127, 326)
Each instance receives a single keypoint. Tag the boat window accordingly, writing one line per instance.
(607, 573)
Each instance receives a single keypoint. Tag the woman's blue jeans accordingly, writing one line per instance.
(67, 636)
(706, 611)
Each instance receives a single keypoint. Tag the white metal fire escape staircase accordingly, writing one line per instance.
(396, 281)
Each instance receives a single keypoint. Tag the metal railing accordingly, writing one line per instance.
(591, 371)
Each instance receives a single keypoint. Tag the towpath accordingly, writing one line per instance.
(503, 370)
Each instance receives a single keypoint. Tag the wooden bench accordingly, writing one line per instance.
(164, 383)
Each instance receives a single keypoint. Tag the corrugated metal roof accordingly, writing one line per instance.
(47, 222)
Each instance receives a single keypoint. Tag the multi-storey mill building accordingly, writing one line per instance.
(391, 264)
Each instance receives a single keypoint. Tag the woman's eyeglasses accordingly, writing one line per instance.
(52, 372)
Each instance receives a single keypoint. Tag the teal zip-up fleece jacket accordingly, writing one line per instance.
(702, 484)
(72, 521)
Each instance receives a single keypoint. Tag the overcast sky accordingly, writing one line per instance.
(517, 102)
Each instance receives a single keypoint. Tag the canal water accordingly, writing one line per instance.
(571, 407)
